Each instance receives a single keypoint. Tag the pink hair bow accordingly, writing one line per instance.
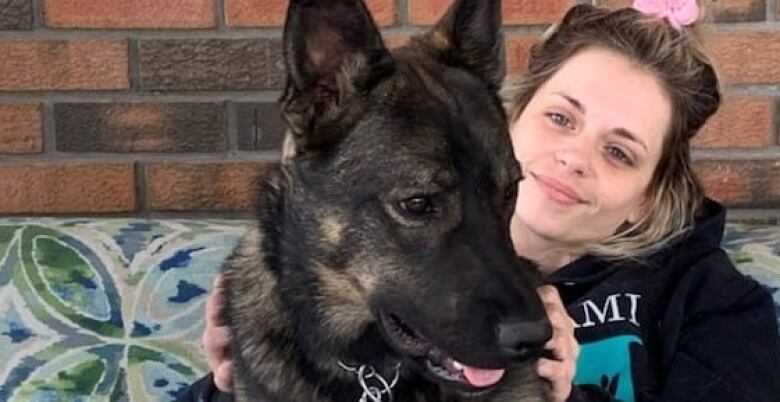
(678, 13)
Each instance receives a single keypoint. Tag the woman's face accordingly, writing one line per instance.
(588, 142)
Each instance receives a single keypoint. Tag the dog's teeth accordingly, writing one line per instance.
(452, 366)
(442, 372)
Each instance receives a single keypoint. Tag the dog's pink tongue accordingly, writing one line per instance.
(482, 377)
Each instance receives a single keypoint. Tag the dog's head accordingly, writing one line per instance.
(402, 185)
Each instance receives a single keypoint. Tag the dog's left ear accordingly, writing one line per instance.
(333, 52)
(469, 36)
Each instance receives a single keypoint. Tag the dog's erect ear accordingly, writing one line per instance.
(333, 51)
(469, 36)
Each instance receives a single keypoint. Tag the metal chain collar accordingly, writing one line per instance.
(375, 387)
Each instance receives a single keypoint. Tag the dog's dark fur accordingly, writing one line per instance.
(393, 197)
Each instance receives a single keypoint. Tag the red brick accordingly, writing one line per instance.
(383, 11)
(204, 186)
(742, 183)
(614, 4)
(396, 41)
(741, 122)
(534, 11)
(16, 14)
(746, 57)
(518, 48)
(724, 11)
(129, 14)
(20, 129)
(140, 127)
(210, 64)
(271, 13)
(739, 10)
(63, 65)
(427, 12)
(66, 188)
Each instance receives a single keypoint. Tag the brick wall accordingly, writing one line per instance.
(145, 107)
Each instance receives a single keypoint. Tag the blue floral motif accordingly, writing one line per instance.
(107, 309)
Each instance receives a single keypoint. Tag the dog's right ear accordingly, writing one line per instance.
(469, 36)
(333, 52)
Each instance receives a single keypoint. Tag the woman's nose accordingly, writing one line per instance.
(574, 159)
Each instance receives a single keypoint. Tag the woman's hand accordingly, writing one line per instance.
(216, 339)
(560, 370)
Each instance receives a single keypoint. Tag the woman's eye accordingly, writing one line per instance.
(418, 206)
(559, 119)
(619, 155)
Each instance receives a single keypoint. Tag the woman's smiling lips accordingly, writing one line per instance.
(557, 191)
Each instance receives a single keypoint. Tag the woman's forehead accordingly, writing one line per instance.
(612, 90)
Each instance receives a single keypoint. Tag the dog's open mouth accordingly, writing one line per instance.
(437, 363)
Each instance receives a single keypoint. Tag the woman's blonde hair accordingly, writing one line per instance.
(674, 195)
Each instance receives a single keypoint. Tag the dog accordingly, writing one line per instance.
(381, 266)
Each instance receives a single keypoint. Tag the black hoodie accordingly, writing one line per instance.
(682, 325)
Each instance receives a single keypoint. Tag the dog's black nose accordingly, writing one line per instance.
(522, 339)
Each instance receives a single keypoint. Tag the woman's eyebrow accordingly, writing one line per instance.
(574, 102)
(630, 136)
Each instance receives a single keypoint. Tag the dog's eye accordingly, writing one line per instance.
(418, 206)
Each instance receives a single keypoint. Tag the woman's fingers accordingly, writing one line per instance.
(216, 341)
(559, 374)
(216, 338)
(564, 346)
(215, 301)
(223, 377)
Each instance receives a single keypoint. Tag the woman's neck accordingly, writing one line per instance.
(547, 253)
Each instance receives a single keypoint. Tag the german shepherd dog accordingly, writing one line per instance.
(381, 266)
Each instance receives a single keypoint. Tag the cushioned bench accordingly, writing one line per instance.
(111, 309)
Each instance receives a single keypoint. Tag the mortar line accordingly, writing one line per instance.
(38, 16)
(761, 215)
(776, 122)
(231, 126)
(265, 156)
(771, 153)
(48, 125)
(221, 23)
(227, 33)
(733, 215)
(143, 214)
(402, 13)
(141, 188)
(133, 64)
(129, 96)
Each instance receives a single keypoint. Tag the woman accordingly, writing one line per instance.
(645, 305)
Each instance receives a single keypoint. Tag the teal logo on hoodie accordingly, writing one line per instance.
(607, 364)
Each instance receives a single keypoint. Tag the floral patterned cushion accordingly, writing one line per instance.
(755, 250)
(107, 310)
(111, 309)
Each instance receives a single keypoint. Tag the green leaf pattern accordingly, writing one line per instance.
(105, 309)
